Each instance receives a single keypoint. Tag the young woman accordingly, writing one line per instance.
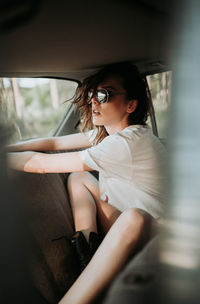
(129, 158)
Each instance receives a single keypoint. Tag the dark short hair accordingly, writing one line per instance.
(133, 84)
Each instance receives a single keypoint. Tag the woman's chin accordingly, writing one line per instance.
(97, 122)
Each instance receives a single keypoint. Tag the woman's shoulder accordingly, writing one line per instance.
(128, 135)
(134, 132)
(137, 128)
(139, 137)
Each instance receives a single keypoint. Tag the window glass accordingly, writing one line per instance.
(160, 88)
(33, 107)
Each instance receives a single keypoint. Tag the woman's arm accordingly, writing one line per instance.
(46, 163)
(67, 142)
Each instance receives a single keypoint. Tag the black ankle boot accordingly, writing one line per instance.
(82, 249)
(94, 241)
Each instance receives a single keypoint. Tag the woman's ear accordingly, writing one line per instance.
(132, 105)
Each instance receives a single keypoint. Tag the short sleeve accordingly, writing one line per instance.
(111, 155)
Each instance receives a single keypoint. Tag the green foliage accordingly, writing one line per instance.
(37, 115)
(160, 87)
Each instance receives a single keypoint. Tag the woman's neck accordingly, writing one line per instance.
(112, 129)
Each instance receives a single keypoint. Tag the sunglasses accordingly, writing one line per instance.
(102, 95)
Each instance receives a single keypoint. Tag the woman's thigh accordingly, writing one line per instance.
(106, 214)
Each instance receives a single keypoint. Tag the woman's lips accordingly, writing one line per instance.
(95, 113)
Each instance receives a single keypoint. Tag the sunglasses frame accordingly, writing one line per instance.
(108, 95)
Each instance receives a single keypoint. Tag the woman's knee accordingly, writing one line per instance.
(76, 178)
(134, 226)
(135, 220)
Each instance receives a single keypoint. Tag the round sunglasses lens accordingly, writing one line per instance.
(101, 96)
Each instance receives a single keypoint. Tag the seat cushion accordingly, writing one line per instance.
(138, 281)
(46, 205)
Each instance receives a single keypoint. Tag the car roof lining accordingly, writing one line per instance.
(73, 39)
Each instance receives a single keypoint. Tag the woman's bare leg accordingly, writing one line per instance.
(130, 230)
(82, 203)
(83, 190)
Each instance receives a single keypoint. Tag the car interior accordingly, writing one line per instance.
(56, 45)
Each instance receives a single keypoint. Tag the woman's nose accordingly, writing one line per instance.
(94, 100)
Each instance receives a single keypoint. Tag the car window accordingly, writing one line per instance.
(160, 88)
(33, 107)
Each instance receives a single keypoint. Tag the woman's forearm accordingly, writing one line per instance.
(35, 162)
(66, 142)
(25, 161)
(38, 144)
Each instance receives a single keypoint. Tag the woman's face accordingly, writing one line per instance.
(113, 115)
